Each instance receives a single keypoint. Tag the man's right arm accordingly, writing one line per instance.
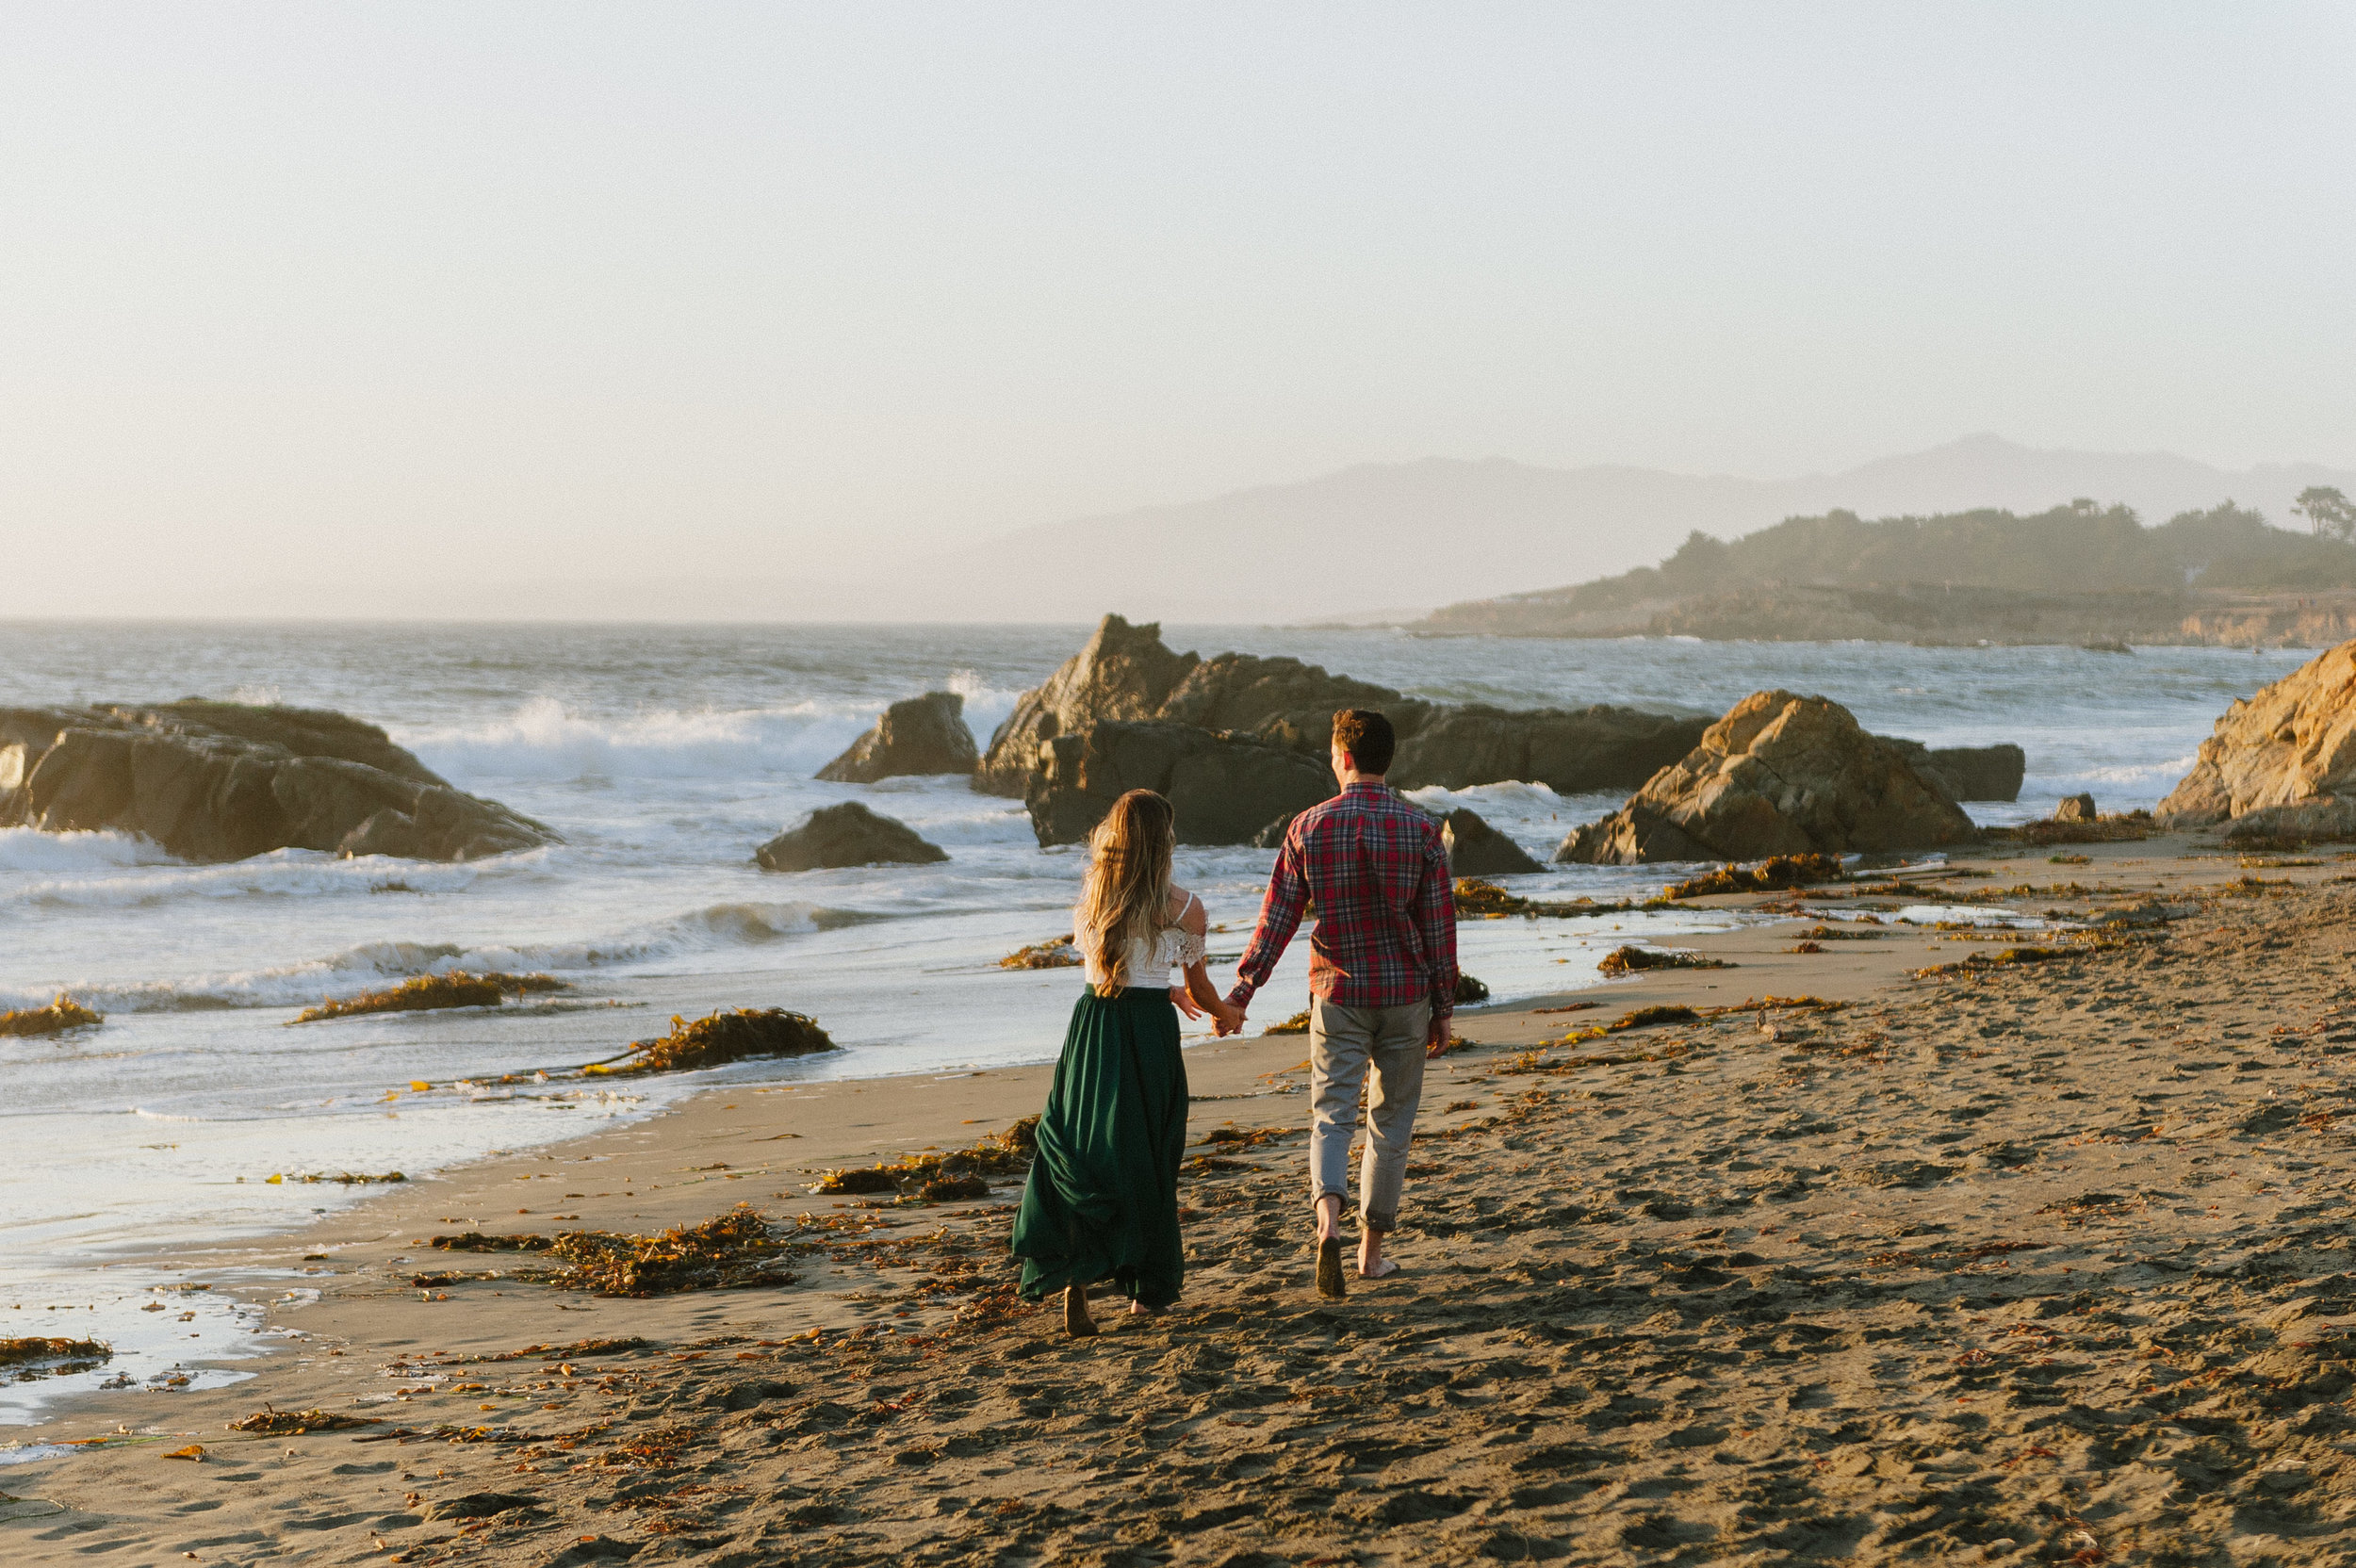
(1280, 909)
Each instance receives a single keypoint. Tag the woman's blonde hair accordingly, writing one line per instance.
(1125, 895)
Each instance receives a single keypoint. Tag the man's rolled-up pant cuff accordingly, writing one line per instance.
(1386, 1220)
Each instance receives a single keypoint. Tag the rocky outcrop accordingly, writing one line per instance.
(847, 835)
(1969, 773)
(2077, 808)
(2286, 757)
(1123, 672)
(220, 781)
(1571, 751)
(1779, 775)
(1225, 789)
(920, 735)
(1476, 849)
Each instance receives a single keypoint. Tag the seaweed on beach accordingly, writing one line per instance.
(1633, 961)
(2122, 828)
(730, 1034)
(1297, 1025)
(424, 992)
(1476, 899)
(274, 1422)
(59, 1016)
(1469, 991)
(1997, 960)
(1840, 934)
(1055, 952)
(942, 1178)
(34, 1356)
(735, 1249)
(1772, 874)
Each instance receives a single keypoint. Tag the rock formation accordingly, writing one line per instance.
(921, 735)
(2077, 808)
(2281, 763)
(220, 781)
(1125, 673)
(1779, 775)
(1225, 789)
(847, 835)
(1476, 849)
(1969, 773)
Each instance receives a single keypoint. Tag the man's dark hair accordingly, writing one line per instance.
(1366, 735)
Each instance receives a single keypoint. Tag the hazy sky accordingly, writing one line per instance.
(314, 295)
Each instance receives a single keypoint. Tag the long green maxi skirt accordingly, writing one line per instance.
(1102, 1201)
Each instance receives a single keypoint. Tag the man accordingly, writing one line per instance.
(1381, 979)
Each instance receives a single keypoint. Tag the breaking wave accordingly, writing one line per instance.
(715, 927)
(29, 849)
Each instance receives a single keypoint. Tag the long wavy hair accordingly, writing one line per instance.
(1125, 895)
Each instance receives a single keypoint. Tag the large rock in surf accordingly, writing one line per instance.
(1476, 849)
(847, 835)
(2281, 763)
(1126, 673)
(1225, 789)
(1779, 775)
(220, 781)
(920, 735)
(1123, 672)
(1969, 773)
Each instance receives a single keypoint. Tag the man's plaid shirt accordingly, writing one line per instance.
(1378, 874)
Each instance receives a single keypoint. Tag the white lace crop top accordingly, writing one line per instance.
(1149, 963)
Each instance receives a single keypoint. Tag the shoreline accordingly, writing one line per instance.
(691, 1161)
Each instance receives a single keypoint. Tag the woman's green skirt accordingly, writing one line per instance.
(1102, 1201)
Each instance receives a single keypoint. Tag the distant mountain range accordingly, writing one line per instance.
(1387, 541)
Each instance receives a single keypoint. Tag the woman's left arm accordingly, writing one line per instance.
(1199, 996)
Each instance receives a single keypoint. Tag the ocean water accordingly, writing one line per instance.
(665, 755)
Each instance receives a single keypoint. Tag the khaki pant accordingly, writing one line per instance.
(1343, 1043)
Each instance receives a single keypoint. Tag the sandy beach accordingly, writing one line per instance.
(2037, 1260)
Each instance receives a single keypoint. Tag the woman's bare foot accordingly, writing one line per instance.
(1076, 1321)
(1138, 1309)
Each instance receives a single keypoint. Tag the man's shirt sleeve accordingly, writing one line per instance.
(1435, 921)
(1281, 908)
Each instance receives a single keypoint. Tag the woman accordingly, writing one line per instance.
(1102, 1201)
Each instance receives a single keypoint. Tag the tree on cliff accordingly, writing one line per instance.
(2326, 512)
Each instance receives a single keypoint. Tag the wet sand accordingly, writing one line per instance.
(2037, 1262)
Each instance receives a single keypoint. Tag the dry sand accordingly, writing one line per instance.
(2039, 1262)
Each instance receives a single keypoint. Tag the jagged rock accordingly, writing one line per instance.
(1225, 789)
(220, 781)
(1123, 672)
(1572, 751)
(1969, 773)
(2290, 752)
(847, 835)
(1476, 849)
(921, 735)
(2077, 808)
(1779, 775)
(1281, 699)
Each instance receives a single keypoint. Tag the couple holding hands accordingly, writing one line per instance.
(1101, 1199)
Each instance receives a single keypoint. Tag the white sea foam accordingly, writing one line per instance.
(113, 876)
(543, 739)
(716, 926)
(28, 849)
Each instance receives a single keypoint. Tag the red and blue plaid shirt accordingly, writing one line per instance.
(1386, 932)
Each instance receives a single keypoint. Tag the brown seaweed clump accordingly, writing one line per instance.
(735, 1249)
(944, 1178)
(294, 1423)
(730, 1034)
(1631, 960)
(36, 1357)
(59, 1016)
(1775, 873)
(1476, 899)
(1297, 1025)
(423, 992)
(1055, 952)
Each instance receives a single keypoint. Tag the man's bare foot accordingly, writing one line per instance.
(1138, 1309)
(1381, 1268)
(1076, 1321)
